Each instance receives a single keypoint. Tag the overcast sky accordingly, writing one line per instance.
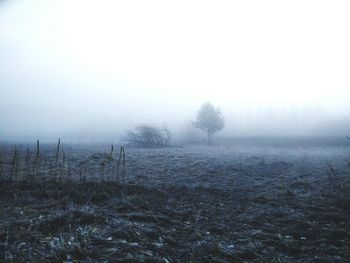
(73, 66)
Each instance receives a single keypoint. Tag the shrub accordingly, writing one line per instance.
(149, 136)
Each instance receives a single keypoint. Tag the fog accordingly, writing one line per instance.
(84, 70)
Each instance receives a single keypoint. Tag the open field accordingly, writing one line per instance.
(262, 203)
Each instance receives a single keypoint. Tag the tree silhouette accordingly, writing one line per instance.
(209, 120)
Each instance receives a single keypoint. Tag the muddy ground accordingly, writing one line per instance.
(181, 204)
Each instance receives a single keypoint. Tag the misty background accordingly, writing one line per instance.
(91, 70)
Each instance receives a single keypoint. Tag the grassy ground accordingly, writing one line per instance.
(192, 204)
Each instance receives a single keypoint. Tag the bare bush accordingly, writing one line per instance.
(149, 136)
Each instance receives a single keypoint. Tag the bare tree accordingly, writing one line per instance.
(149, 136)
(209, 120)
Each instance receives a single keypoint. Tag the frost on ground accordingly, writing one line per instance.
(188, 204)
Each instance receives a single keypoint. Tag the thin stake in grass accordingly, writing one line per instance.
(27, 162)
(58, 149)
(121, 159)
(37, 150)
(13, 164)
(123, 166)
(111, 153)
(27, 156)
(37, 161)
(17, 163)
(109, 159)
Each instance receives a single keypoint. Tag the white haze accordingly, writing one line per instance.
(85, 69)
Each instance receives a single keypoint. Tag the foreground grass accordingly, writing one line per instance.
(98, 222)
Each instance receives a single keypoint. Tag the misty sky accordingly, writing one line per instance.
(99, 67)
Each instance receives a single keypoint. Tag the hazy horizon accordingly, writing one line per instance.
(94, 69)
